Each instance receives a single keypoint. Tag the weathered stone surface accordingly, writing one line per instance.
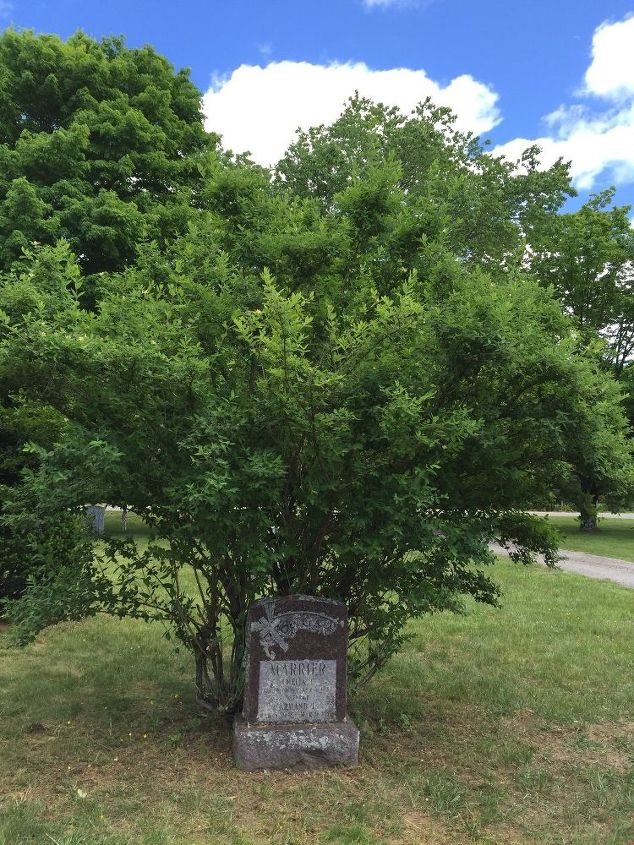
(275, 746)
(296, 660)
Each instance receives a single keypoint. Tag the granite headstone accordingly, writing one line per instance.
(294, 710)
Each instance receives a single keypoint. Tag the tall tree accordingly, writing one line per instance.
(478, 206)
(103, 146)
(587, 258)
(99, 144)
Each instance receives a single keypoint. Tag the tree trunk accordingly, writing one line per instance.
(588, 522)
(219, 688)
(588, 507)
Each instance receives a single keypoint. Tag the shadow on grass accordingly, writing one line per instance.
(498, 726)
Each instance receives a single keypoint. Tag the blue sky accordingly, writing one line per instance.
(557, 71)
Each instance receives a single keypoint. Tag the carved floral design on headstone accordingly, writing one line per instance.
(277, 630)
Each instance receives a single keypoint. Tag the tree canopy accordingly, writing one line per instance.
(99, 144)
(587, 256)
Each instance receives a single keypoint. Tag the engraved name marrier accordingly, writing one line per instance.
(297, 690)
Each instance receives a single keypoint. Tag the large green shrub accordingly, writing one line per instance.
(342, 443)
(343, 389)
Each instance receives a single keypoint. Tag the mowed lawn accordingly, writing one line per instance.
(500, 726)
(614, 538)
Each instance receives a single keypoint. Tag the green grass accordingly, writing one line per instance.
(500, 726)
(136, 526)
(614, 538)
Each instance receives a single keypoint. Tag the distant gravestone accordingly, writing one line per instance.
(96, 518)
(294, 710)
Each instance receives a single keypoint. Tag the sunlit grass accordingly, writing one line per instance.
(614, 537)
(500, 726)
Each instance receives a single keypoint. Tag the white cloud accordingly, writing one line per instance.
(384, 4)
(595, 141)
(259, 108)
(403, 4)
(265, 49)
(611, 72)
(592, 145)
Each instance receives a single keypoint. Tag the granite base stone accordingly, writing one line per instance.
(285, 746)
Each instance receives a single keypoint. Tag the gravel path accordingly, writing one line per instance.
(593, 566)
(569, 513)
